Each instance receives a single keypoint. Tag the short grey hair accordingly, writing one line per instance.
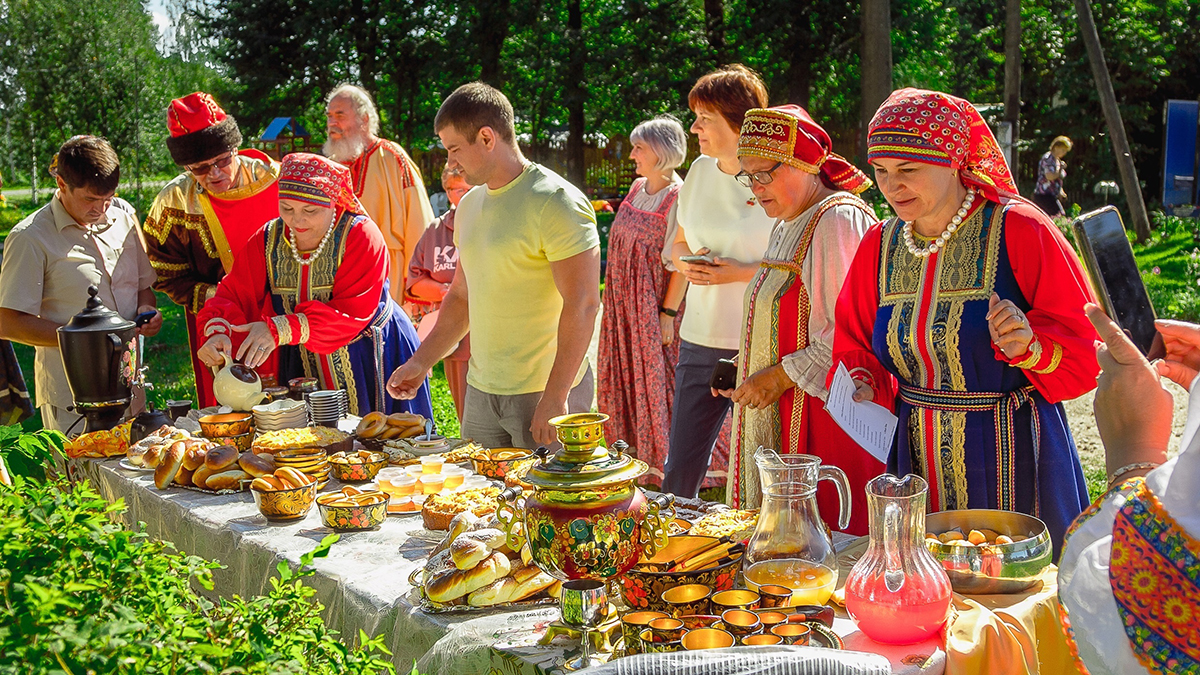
(363, 105)
(664, 135)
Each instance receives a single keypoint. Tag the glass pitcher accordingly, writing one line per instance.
(791, 546)
(897, 592)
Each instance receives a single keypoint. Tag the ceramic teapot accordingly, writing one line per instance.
(237, 386)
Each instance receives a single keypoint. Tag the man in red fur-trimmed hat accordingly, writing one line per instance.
(386, 180)
(203, 217)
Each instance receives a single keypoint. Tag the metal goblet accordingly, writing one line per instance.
(583, 604)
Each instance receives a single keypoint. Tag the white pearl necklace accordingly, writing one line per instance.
(311, 256)
(936, 244)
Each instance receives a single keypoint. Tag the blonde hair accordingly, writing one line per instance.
(1061, 141)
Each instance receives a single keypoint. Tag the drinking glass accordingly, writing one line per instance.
(583, 604)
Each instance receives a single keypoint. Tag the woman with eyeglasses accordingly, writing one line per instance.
(787, 332)
(718, 242)
(207, 213)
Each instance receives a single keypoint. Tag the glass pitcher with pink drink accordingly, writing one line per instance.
(897, 592)
(791, 545)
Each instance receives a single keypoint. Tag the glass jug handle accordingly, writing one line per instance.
(832, 473)
(893, 568)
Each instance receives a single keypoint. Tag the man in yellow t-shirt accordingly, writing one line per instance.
(527, 285)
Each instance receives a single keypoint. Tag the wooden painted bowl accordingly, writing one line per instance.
(642, 588)
(227, 425)
(285, 505)
(349, 518)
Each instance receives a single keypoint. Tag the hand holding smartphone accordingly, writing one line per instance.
(706, 259)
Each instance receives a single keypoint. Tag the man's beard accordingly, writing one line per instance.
(346, 150)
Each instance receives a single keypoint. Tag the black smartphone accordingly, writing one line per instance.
(1109, 261)
(724, 375)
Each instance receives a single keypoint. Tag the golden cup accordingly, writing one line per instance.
(741, 622)
(771, 619)
(666, 630)
(652, 646)
(632, 624)
(735, 599)
(762, 639)
(774, 595)
(687, 599)
(792, 633)
(707, 638)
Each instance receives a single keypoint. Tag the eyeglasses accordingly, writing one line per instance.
(218, 163)
(760, 177)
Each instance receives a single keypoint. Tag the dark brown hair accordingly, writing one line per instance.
(730, 90)
(89, 161)
(476, 105)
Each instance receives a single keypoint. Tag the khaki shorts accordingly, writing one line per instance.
(499, 421)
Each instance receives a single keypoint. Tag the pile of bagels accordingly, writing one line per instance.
(283, 478)
(474, 566)
(388, 427)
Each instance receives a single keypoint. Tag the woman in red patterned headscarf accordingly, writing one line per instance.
(964, 314)
(324, 265)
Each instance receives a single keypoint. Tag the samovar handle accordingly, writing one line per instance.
(654, 529)
(508, 513)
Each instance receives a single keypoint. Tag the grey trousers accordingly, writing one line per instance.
(500, 421)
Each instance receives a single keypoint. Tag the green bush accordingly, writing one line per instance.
(82, 594)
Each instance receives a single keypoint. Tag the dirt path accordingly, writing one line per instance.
(1087, 439)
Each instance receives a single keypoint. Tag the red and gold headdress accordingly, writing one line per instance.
(310, 178)
(788, 134)
(936, 128)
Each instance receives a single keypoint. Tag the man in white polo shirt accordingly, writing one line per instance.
(84, 237)
(527, 285)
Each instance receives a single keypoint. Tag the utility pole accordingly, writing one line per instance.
(876, 80)
(1112, 116)
(1012, 76)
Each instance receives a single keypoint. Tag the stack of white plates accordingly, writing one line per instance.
(281, 414)
(328, 406)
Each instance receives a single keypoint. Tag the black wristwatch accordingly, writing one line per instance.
(669, 312)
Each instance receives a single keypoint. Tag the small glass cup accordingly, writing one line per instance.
(432, 463)
(419, 500)
(475, 482)
(454, 476)
(414, 470)
(432, 483)
(404, 485)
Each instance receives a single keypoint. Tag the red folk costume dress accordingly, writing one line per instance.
(388, 185)
(788, 312)
(636, 372)
(329, 310)
(984, 430)
(192, 235)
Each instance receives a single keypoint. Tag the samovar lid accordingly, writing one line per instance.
(584, 462)
(95, 317)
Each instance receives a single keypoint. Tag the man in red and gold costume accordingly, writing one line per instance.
(386, 181)
(206, 214)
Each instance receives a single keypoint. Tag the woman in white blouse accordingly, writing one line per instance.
(718, 218)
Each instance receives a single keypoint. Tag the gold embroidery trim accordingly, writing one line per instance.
(218, 233)
(304, 333)
(283, 329)
(1055, 360)
(199, 291)
(1035, 355)
(169, 267)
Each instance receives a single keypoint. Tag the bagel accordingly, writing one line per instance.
(167, 469)
(220, 458)
(391, 432)
(373, 424)
(404, 419)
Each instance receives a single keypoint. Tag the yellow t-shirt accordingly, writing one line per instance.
(506, 240)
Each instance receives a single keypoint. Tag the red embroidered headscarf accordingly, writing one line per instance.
(314, 179)
(788, 134)
(935, 128)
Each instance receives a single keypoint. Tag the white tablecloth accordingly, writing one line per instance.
(363, 582)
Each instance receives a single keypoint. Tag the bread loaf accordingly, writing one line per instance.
(532, 586)
(522, 572)
(200, 477)
(467, 552)
(194, 457)
(153, 455)
(227, 480)
(184, 477)
(170, 464)
(294, 477)
(256, 465)
(499, 591)
(526, 554)
(220, 457)
(449, 585)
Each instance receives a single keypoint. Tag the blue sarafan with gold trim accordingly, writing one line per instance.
(984, 430)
